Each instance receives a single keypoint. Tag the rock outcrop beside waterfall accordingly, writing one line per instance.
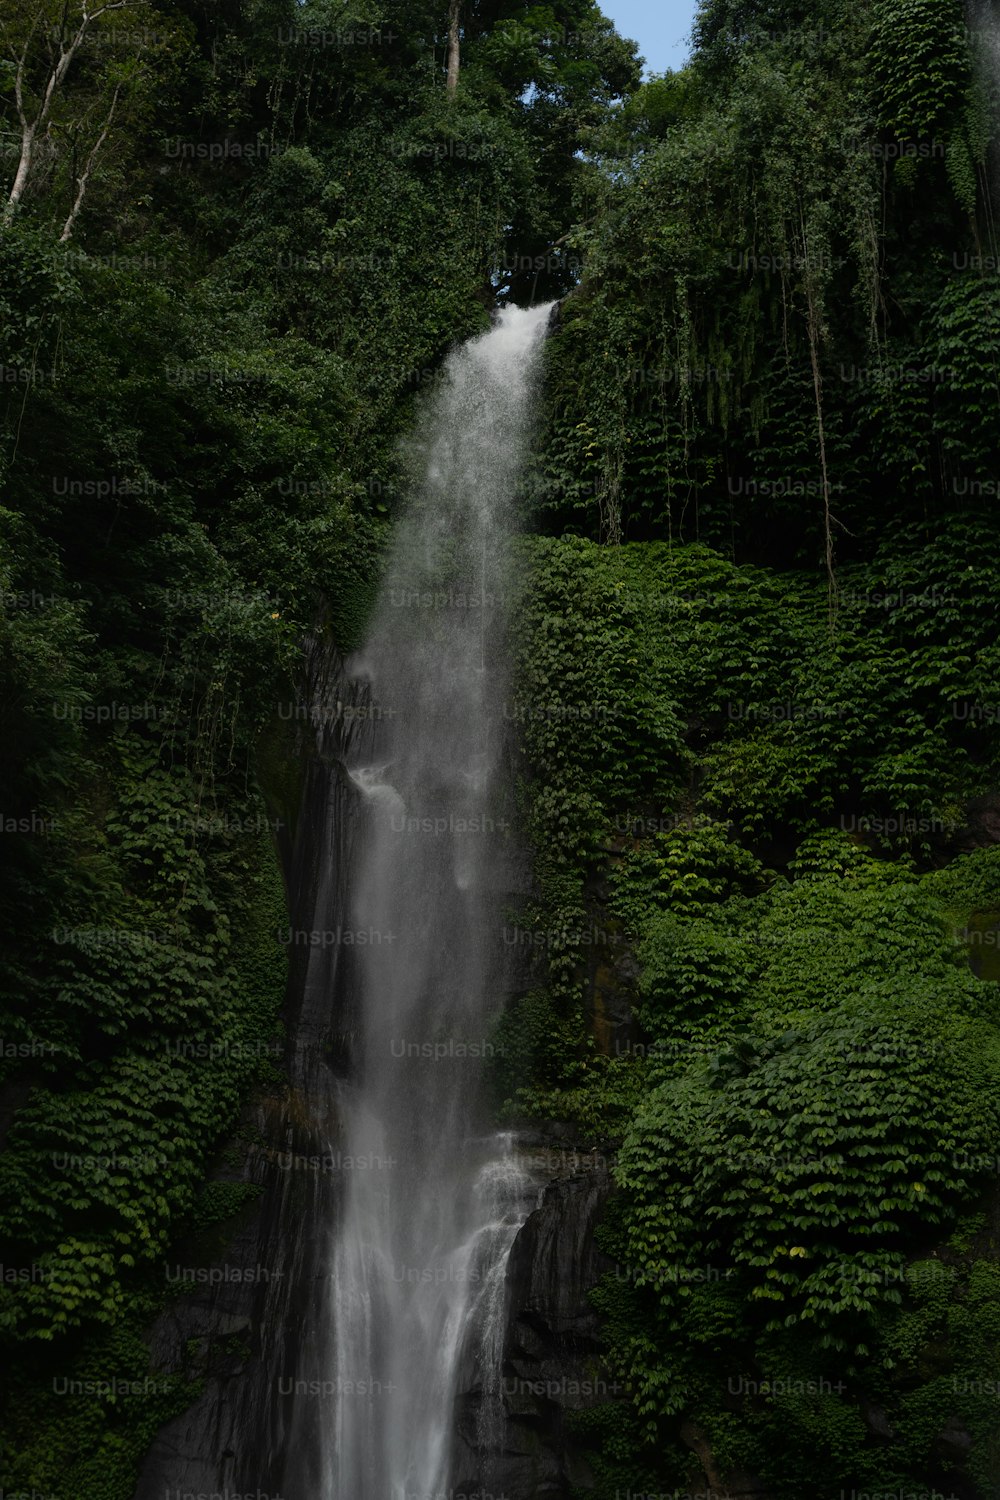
(235, 1329)
(552, 1353)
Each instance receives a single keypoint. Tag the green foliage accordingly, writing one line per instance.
(201, 400)
(694, 983)
(804, 728)
(805, 1106)
(970, 883)
(920, 63)
(779, 1183)
(80, 1425)
(99, 1169)
(533, 1041)
(773, 226)
(785, 251)
(687, 870)
(807, 1165)
(964, 322)
(754, 780)
(220, 1201)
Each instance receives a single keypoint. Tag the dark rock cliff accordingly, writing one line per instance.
(552, 1356)
(250, 1320)
(249, 1325)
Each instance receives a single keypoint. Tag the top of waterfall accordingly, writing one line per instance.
(527, 318)
(520, 326)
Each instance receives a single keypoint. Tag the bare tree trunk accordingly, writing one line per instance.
(831, 577)
(814, 326)
(454, 45)
(84, 177)
(23, 170)
(30, 127)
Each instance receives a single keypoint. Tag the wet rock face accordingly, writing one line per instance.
(253, 1329)
(231, 1330)
(552, 1357)
(244, 1332)
(248, 1327)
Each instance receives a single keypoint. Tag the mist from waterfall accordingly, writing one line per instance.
(432, 1200)
(984, 29)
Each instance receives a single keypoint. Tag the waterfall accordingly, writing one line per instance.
(430, 1202)
(983, 26)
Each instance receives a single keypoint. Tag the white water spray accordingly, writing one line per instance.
(419, 1254)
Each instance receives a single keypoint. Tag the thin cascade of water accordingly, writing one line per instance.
(418, 1254)
(983, 25)
(505, 1187)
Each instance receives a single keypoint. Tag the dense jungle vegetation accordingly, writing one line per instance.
(758, 686)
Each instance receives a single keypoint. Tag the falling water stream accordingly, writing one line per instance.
(432, 1200)
(983, 26)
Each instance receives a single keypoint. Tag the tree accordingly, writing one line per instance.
(454, 44)
(40, 56)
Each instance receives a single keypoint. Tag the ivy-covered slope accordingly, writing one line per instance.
(802, 1087)
(758, 706)
(759, 746)
(785, 336)
(206, 365)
